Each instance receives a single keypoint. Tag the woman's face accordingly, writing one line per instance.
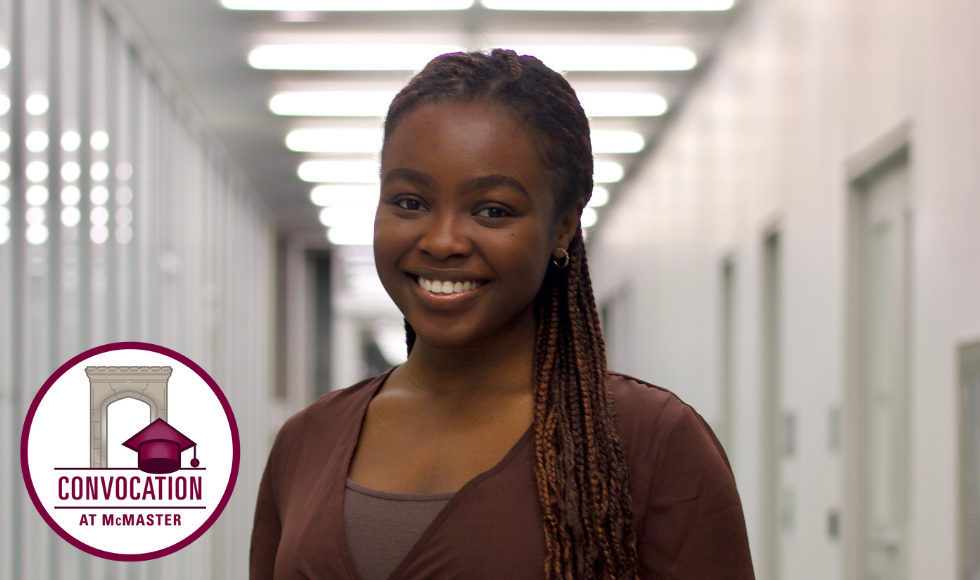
(464, 233)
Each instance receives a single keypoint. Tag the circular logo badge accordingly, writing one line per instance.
(130, 451)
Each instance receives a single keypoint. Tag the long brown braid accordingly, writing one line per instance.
(580, 468)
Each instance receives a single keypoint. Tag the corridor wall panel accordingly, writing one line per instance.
(121, 219)
(801, 99)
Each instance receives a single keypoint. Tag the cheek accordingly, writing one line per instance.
(391, 241)
(522, 264)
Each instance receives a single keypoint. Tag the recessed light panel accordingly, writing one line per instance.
(347, 216)
(412, 57)
(333, 103)
(617, 142)
(600, 196)
(345, 195)
(339, 171)
(346, 5)
(612, 58)
(622, 104)
(589, 217)
(335, 140)
(375, 104)
(610, 5)
(393, 57)
(356, 235)
(607, 172)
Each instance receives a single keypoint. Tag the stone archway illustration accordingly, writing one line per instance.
(111, 384)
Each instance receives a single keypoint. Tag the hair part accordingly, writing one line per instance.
(580, 468)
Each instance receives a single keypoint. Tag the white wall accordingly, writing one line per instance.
(800, 92)
(196, 274)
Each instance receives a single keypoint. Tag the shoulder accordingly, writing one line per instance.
(330, 409)
(634, 396)
(646, 412)
(687, 511)
(662, 434)
(320, 425)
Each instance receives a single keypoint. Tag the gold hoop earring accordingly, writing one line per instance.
(565, 262)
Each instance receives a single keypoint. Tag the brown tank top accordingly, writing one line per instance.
(383, 527)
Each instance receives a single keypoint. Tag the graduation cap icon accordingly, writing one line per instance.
(159, 446)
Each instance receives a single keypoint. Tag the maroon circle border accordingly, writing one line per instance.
(25, 464)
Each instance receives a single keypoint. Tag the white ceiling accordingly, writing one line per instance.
(207, 46)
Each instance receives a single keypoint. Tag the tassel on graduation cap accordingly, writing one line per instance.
(159, 447)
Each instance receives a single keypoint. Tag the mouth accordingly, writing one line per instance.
(447, 287)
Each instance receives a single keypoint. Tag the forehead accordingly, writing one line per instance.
(480, 136)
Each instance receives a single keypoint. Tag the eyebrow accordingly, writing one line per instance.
(416, 177)
(496, 180)
(472, 185)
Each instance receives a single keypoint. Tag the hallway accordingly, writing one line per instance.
(785, 232)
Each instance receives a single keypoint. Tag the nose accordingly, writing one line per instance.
(444, 237)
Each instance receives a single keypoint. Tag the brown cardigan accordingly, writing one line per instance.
(689, 519)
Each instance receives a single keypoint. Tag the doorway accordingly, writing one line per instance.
(882, 251)
(773, 492)
(726, 423)
(616, 318)
(969, 363)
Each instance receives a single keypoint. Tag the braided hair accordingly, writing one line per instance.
(579, 464)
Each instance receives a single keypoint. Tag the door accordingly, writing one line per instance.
(616, 317)
(774, 492)
(969, 356)
(884, 338)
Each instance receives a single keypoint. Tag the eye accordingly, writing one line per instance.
(409, 203)
(492, 212)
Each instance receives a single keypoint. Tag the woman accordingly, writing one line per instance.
(503, 448)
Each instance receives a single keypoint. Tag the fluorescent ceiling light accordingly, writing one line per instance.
(345, 195)
(622, 104)
(589, 217)
(617, 142)
(351, 235)
(346, 5)
(612, 58)
(333, 103)
(339, 171)
(365, 56)
(607, 172)
(391, 341)
(411, 57)
(600, 196)
(375, 104)
(336, 140)
(610, 5)
(347, 216)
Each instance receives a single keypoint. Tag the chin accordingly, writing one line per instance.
(447, 333)
(446, 338)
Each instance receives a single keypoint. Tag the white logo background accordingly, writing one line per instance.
(59, 438)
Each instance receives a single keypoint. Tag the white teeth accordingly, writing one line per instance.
(447, 287)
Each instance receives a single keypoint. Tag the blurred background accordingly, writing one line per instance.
(785, 232)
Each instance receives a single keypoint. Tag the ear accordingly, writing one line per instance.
(567, 225)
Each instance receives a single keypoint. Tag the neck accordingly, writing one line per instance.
(500, 365)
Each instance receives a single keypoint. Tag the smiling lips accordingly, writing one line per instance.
(447, 286)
